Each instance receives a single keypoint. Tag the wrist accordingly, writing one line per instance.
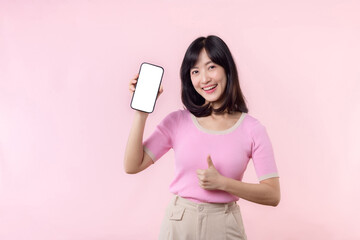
(223, 181)
(141, 115)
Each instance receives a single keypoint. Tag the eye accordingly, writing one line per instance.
(194, 72)
(212, 67)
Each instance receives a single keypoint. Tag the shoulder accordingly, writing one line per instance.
(175, 117)
(178, 114)
(253, 126)
(250, 121)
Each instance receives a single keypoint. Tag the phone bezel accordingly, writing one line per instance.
(162, 74)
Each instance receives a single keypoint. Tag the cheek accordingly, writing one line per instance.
(222, 79)
(217, 75)
(195, 82)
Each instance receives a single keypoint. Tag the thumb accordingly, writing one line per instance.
(209, 161)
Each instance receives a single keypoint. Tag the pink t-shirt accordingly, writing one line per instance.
(230, 151)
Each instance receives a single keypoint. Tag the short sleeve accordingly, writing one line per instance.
(262, 154)
(161, 140)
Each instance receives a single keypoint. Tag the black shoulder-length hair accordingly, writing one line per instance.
(219, 53)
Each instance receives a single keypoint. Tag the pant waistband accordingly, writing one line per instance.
(204, 207)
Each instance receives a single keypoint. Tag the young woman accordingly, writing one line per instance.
(213, 140)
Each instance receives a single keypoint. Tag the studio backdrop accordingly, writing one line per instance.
(65, 112)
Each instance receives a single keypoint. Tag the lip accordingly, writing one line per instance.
(208, 86)
(211, 90)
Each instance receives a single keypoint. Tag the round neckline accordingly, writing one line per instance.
(226, 131)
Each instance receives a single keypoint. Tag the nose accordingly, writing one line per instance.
(205, 78)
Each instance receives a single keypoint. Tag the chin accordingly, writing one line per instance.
(212, 99)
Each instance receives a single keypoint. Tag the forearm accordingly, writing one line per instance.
(262, 193)
(134, 149)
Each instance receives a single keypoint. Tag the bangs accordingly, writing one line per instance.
(217, 55)
(194, 52)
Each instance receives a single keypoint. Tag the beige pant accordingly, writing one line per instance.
(187, 220)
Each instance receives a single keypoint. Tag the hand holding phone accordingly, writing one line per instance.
(147, 87)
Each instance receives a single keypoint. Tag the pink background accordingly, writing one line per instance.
(65, 115)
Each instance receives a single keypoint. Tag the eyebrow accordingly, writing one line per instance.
(205, 64)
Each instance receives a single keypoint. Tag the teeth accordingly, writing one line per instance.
(209, 88)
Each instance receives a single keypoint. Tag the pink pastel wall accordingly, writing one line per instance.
(65, 115)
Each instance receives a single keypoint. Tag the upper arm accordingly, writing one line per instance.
(262, 153)
(161, 140)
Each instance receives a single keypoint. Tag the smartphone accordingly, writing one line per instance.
(147, 87)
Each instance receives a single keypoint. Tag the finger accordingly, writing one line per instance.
(160, 92)
(161, 89)
(209, 161)
(200, 171)
(134, 79)
(201, 178)
(133, 83)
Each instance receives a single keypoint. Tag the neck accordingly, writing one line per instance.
(222, 115)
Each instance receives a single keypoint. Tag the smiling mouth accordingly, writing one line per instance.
(210, 87)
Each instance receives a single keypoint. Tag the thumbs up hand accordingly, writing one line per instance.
(210, 179)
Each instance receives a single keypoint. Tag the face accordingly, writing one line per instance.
(208, 79)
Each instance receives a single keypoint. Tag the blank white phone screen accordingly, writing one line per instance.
(147, 87)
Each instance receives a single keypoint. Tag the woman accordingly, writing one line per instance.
(213, 140)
